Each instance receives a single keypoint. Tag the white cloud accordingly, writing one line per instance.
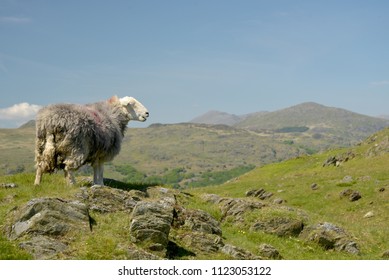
(19, 113)
(380, 83)
(15, 20)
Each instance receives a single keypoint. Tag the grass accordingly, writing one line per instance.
(290, 180)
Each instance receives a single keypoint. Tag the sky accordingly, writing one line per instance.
(183, 58)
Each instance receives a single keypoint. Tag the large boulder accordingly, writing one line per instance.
(150, 225)
(42, 225)
(330, 236)
(280, 226)
(107, 200)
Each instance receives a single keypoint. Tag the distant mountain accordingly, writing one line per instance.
(28, 124)
(217, 117)
(314, 116)
(315, 122)
(309, 125)
(384, 117)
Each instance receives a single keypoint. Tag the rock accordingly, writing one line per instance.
(354, 196)
(43, 247)
(107, 200)
(385, 255)
(211, 198)
(150, 225)
(8, 185)
(196, 220)
(236, 207)
(381, 189)
(135, 253)
(338, 159)
(330, 236)
(280, 226)
(163, 195)
(351, 194)
(238, 253)
(43, 225)
(369, 214)
(49, 216)
(201, 243)
(269, 252)
(347, 179)
(279, 201)
(314, 186)
(261, 194)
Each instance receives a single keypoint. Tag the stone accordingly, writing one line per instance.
(385, 255)
(260, 193)
(314, 186)
(43, 247)
(330, 236)
(280, 226)
(235, 207)
(107, 200)
(279, 201)
(238, 253)
(201, 243)
(150, 225)
(196, 220)
(369, 214)
(269, 252)
(8, 185)
(347, 179)
(46, 225)
(351, 194)
(49, 216)
(211, 198)
(354, 196)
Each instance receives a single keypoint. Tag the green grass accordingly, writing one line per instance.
(290, 180)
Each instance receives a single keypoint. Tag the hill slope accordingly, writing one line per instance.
(322, 193)
(297, 209)
(158, 149)
(313, 123)
(217, 117)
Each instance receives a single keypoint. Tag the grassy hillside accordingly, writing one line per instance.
(159, 149)
(364, 171)
(291, 181)
(314, 125)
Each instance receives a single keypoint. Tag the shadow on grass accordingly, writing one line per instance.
(112, 183)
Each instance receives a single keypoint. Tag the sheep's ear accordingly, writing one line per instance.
(114, 99)
(125, 101)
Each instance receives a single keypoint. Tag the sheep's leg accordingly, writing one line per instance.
(98, 177)
(38, 176)
(69, 176)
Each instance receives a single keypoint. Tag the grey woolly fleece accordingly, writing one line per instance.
(73, 135)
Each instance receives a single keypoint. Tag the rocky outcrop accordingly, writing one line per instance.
(150, 225)
(161, 227)
(352, 195)
(43, 225)
(330, 236)
(280, 226)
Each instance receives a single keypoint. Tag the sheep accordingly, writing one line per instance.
(69, 136)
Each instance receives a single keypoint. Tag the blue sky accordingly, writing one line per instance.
(184, 58)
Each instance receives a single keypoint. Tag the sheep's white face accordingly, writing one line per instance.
(135, 110)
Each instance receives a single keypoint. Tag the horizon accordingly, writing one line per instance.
(135, 124)
(183, 59)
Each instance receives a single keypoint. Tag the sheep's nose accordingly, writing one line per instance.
(147, 114)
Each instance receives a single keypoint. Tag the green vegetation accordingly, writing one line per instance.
(180, 177)
(292, 180)
(292, 129)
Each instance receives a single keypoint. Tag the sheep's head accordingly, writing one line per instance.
(135, 110)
